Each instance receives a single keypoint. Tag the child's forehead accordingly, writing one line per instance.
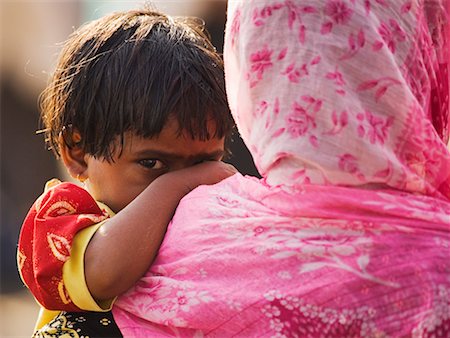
(172, 130)
(170, 144)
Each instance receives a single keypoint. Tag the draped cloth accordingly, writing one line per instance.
(344, 106)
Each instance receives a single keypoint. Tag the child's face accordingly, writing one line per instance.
(142, 160)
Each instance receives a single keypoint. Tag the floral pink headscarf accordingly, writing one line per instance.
(349, 93)
(344, 107)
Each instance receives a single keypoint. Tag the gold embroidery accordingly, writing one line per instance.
(60, 246)
(58, 327)
(105, 321)
(63, 293)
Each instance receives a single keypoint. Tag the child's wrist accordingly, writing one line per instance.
(176, 181)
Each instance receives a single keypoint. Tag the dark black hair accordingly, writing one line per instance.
(132, 71)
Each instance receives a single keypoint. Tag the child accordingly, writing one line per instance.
(137, 111)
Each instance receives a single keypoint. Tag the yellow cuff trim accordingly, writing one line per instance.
(44, 317)
(73, 273)
(73, 270)
(106, 208)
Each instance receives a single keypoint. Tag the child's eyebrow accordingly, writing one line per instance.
(175, 156)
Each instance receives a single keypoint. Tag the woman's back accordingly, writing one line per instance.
(239, 260)
(344, 106)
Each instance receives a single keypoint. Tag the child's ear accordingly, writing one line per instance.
(73, 155)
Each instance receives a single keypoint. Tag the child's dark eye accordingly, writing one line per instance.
(152, 164)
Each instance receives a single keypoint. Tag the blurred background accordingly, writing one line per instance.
(31, 35)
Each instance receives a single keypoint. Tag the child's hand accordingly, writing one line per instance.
(205, 173)
(211, 172)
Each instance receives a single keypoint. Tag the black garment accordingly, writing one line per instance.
(80, 324)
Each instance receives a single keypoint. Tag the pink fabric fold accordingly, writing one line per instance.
(358, 85)
(344, 107)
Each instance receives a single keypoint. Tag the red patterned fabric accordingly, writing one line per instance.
(46, 238)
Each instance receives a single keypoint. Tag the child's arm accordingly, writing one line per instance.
(125, 246)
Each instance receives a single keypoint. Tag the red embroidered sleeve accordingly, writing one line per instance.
(46, 239)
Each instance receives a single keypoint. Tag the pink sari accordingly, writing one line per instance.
(344, 106)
